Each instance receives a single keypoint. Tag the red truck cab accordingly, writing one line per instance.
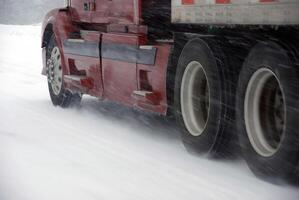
(106, 53)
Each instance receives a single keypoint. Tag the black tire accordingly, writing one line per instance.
(64, 98)
(270, 57)
(214, 132)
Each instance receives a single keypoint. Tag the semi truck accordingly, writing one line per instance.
(223, 69)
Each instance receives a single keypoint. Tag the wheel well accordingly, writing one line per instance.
(47, 35)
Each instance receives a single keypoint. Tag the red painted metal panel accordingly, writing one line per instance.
(91, 35)
(268, 1)
(115, 11)
(121, 38)
(91, 67)
(155, 80)
(101, 13)
(119, 77)
(79, 11)
(223, 1)
(187, 2)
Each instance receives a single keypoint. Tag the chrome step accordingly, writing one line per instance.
(142, 93)
(74, 77)
(146, 97)
(83, 83)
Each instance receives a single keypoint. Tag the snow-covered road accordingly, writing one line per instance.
(102, 150)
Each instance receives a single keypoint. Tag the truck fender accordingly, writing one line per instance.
(57, 22)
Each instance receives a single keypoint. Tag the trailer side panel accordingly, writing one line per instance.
(236, 12)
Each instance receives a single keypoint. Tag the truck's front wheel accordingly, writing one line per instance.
(58, 93)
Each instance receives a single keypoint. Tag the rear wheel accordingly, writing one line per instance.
(264, 112)
(200, 99)
(267, 110)
(60, 96)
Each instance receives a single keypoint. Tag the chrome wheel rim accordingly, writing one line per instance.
(265, 112)
(55, 70)
(195, 98)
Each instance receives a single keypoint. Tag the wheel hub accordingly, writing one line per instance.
(195, 99)
(265, 112)
(54, 70)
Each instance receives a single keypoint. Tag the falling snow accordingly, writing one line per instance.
(101, 150)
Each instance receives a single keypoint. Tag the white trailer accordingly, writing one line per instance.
(236, 12)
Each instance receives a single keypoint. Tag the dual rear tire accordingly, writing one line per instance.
(267, 112)
(200, 101)
(265, 106)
